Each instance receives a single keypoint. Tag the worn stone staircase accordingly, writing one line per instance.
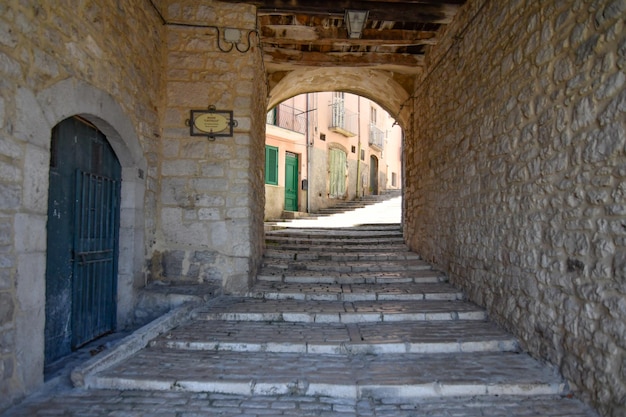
(346, 321)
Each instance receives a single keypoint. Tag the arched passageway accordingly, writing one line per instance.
(379, 86)
(347, 147)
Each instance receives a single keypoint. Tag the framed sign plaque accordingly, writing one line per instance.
(212, 123)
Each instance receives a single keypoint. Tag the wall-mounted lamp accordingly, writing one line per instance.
(355, 22)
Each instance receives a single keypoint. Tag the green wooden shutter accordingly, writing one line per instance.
(271, 165)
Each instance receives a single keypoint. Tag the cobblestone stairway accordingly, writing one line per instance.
(345, 322)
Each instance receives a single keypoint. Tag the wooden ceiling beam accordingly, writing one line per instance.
(417, 11)
(338, 59)
(308, 35)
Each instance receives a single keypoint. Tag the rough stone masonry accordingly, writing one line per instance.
(190, 210)
(515, 163)
(516, 178)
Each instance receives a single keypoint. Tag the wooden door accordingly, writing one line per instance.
(291, 182)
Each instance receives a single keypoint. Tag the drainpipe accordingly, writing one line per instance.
(308, 158)
(358, 153)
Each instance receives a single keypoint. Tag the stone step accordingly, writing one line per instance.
(333, 240)
(337, 249)
(335, 234)
(95, 402)
(346, 267)
(324, 277)
(355, 292)
(315, 311)
(347, 205)
(358, 338)
(365, 231)
(344, 376)
(311, 255)
(362, 228)
(341, 209)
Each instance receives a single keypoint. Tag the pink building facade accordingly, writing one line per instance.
(324, 148)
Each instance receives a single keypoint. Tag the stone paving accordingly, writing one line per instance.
(388, 338)
(370, 338)
(118, 403)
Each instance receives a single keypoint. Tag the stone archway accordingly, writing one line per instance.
(376, 85)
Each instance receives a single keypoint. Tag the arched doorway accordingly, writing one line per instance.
(373, 175)
(83, 237)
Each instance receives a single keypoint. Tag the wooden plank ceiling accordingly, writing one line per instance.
(305, 33)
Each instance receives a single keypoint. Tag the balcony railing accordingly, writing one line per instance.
(287, 117)
(377, 137)
(341, 120)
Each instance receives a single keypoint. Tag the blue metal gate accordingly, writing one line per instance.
(94, 256)
(82, 246)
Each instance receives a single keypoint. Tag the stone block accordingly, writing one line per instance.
(10, 196)
(611, 86)
(619, 265)
(30, 236)
(179, 168)
(6, 279)
(173, 191)
(29, 343)
(209, 214)
(31, 121)
(219, 234)
(212, 170)
(209, 200)
(172, 263)
(194, 149)
(9, 66)
(30, 280)
(36, 170)
(7, 309)
(209, 184)
(10, 148)
(602, 144)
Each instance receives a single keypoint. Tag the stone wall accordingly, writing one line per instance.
(516, 178)
(58, 59)
(210, 223)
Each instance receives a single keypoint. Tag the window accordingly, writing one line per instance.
(373, 115)
(394, 179)
(271, 165)
(322, 136)
(272, 117)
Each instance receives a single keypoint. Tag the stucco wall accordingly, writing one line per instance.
(59, 59)
(274, 201)
(516, 179)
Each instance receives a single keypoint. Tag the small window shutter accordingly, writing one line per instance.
(271, 165)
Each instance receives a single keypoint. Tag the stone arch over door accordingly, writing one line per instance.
(39, 113)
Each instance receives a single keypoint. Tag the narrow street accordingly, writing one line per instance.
(343, 321)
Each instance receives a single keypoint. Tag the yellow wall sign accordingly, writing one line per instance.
(211, 123)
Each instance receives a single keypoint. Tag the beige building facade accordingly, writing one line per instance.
(514, 158)
(346, 147)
